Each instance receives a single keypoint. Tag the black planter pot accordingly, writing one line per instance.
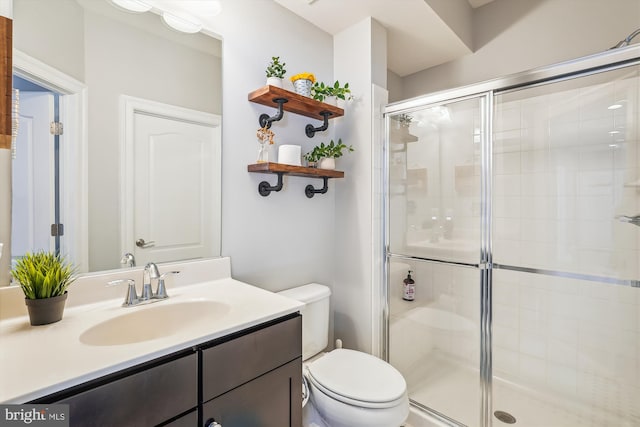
(46, 310)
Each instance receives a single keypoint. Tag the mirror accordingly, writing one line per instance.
(134, 73)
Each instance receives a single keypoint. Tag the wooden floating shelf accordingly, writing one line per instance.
(398, 136)
(296, 103)
(294, 170)
(265, 188)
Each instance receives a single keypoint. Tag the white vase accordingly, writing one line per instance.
(274, 81)
(331, 100)
(303, 87)
(327, 163)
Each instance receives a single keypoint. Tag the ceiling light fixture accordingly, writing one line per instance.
(614, 106)
(181, 22)
(137, 6)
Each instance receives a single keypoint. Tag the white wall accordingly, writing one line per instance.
(516, 35)
(285, 239)
(33, 23)
(358, 61)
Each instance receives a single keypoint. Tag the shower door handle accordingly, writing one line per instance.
(635, 220)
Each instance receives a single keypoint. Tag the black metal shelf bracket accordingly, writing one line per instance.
(266, 120)
(309, 191)
(311, 131)
(264, 188)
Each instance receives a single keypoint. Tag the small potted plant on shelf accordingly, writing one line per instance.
(320, 91)
(275, 72)
(331, 93)
(44, 278)
(302, 83)
(341, 92)
(324, 156)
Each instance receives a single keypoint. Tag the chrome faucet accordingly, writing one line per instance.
(128, 260)
(150, 272)
(148, 296)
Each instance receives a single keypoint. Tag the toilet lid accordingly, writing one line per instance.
(357, 376)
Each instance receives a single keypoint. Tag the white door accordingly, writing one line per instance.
(33, 176)
(173, 188)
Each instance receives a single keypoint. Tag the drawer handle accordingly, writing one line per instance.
(212, 423)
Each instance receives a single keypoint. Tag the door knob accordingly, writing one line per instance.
(142, 244)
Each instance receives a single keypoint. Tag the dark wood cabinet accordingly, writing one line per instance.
(187, 420)
(232, 363)
(255, 380)
(147, 398)
(250, 379)
(271, 400)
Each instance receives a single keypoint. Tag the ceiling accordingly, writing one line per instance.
(478, 3)
(412, 26)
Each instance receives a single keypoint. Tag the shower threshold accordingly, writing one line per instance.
(451, 388)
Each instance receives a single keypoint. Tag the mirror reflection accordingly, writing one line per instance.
(140, 106)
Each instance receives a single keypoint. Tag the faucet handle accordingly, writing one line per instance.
(132, 296)
(161, 292)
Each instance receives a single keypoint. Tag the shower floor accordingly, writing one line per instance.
(453, 389)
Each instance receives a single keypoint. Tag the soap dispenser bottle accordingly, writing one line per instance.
(409, 293)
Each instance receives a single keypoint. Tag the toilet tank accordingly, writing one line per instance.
(315, 316)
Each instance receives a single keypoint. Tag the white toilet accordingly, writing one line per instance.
(347, 388)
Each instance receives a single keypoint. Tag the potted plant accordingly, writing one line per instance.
(341, 92)
(320, 91)
(275, 72)
(44, 278)
(323, 156)
(330, 93)
(302, 83)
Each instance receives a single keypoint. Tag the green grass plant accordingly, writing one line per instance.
(43, 275)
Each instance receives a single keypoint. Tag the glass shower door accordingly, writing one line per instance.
(566, 302)
(434, 164)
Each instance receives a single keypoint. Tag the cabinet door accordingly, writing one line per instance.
(272, 400)
(242, 359)
(143, 399)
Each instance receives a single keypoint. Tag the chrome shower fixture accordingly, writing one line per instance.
(635, 220)
(627, 40)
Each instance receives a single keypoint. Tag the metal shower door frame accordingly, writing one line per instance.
(601, 62)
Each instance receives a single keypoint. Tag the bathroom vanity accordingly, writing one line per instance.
(245, 379)
(226, 353)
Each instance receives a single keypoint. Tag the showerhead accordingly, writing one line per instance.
(627, 40)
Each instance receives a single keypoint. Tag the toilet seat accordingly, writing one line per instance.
(358, 379)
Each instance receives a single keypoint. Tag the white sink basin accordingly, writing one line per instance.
(153, 321)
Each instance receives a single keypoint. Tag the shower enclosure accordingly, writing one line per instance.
(515, 205)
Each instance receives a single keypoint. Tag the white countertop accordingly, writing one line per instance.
(37, 361)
